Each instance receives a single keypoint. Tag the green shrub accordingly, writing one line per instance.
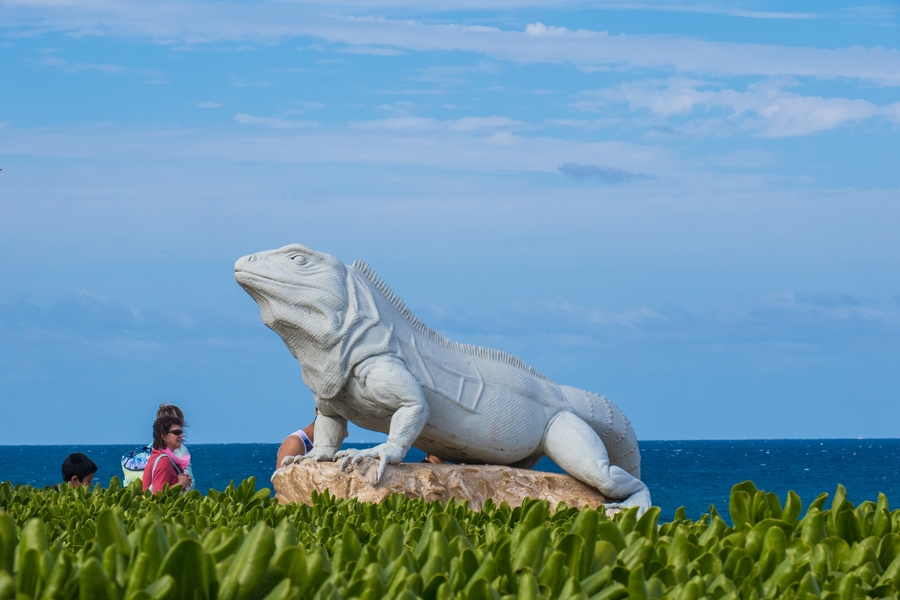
(122, 544)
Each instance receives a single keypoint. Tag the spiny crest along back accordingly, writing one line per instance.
(469, 349)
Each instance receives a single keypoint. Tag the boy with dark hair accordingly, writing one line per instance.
(78, 470)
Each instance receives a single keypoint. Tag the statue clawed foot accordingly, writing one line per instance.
(385, 453)
(315, 454)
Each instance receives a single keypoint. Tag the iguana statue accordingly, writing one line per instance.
(369, 360)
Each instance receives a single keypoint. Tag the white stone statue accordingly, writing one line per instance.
(369, 360)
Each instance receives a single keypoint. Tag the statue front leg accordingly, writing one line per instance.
(384, 385)
(329, 434)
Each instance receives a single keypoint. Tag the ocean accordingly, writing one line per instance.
(693, 474)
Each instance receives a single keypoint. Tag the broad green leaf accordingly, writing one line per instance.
(611, 592)
(527, 586)
(487, 571)
(572, 547)
(92, 581)
(846, 525)
(161, 588)
(637, 554)
(9, 539)
(535, 516)
(637, 585)
(186, 566)
(648, 524)
(392, 540)
(59, 575)
(282, 591)
(774, 505)
(530, 553)
(594, 583)
(739, 508)
(28, 575)
(605, 555)
(793, 506)
(250, 565)
(610, 532)
(812, 527)
(111, 531)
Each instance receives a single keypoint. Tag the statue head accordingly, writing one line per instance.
(301, 293)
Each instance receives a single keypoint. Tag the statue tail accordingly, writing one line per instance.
(611, 425)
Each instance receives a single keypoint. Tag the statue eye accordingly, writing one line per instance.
(299, 259)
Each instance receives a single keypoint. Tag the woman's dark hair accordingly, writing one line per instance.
(161, 427)
(170, 410)
(77, 465)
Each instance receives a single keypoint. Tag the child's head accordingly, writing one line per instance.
(78, 469)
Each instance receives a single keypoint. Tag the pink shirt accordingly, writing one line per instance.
(165, 471)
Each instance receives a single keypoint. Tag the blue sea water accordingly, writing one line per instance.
(693, 474)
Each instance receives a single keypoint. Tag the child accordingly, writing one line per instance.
(78, 470)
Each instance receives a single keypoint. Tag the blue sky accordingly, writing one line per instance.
(692, 208)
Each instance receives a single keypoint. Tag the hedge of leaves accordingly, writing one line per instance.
(120, 544)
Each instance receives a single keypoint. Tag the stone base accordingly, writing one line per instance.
(475, 483)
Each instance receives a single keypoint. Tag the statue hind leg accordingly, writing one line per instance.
(575, 446)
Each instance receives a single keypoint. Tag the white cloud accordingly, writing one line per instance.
(194, 22)
(540, 30)
(208, 104)
(303, 107)
(470, 123)
(272, 122)
(452, 144)
(777, 316)
(372, 50)
(420, 123)
(453, 75)
(152, 75)
(585, 124)
(764, 109)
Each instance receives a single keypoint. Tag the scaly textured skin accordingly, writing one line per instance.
(369, 360)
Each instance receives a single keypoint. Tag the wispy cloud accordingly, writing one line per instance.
(472, 143)
(608, 175)
(371, 50)
(586, 124)
(453, 75)
(764, 109)
(151, 75)
(778, 317)
(194, 22)
(208, 104)
(303, 107)
(420, 123)
(241, 81)
(273, 122)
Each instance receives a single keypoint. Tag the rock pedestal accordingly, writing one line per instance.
(475, 483)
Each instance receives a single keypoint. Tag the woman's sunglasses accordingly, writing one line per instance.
(177, 432)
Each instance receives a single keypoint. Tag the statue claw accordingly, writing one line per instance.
(385, 453)
(288, 460)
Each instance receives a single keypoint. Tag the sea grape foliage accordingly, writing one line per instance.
(122, 544)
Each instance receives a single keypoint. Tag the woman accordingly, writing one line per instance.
(182, 451)
(163, 466)
(297, 444)
(135, 461)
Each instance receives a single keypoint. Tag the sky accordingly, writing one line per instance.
(692, 208)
